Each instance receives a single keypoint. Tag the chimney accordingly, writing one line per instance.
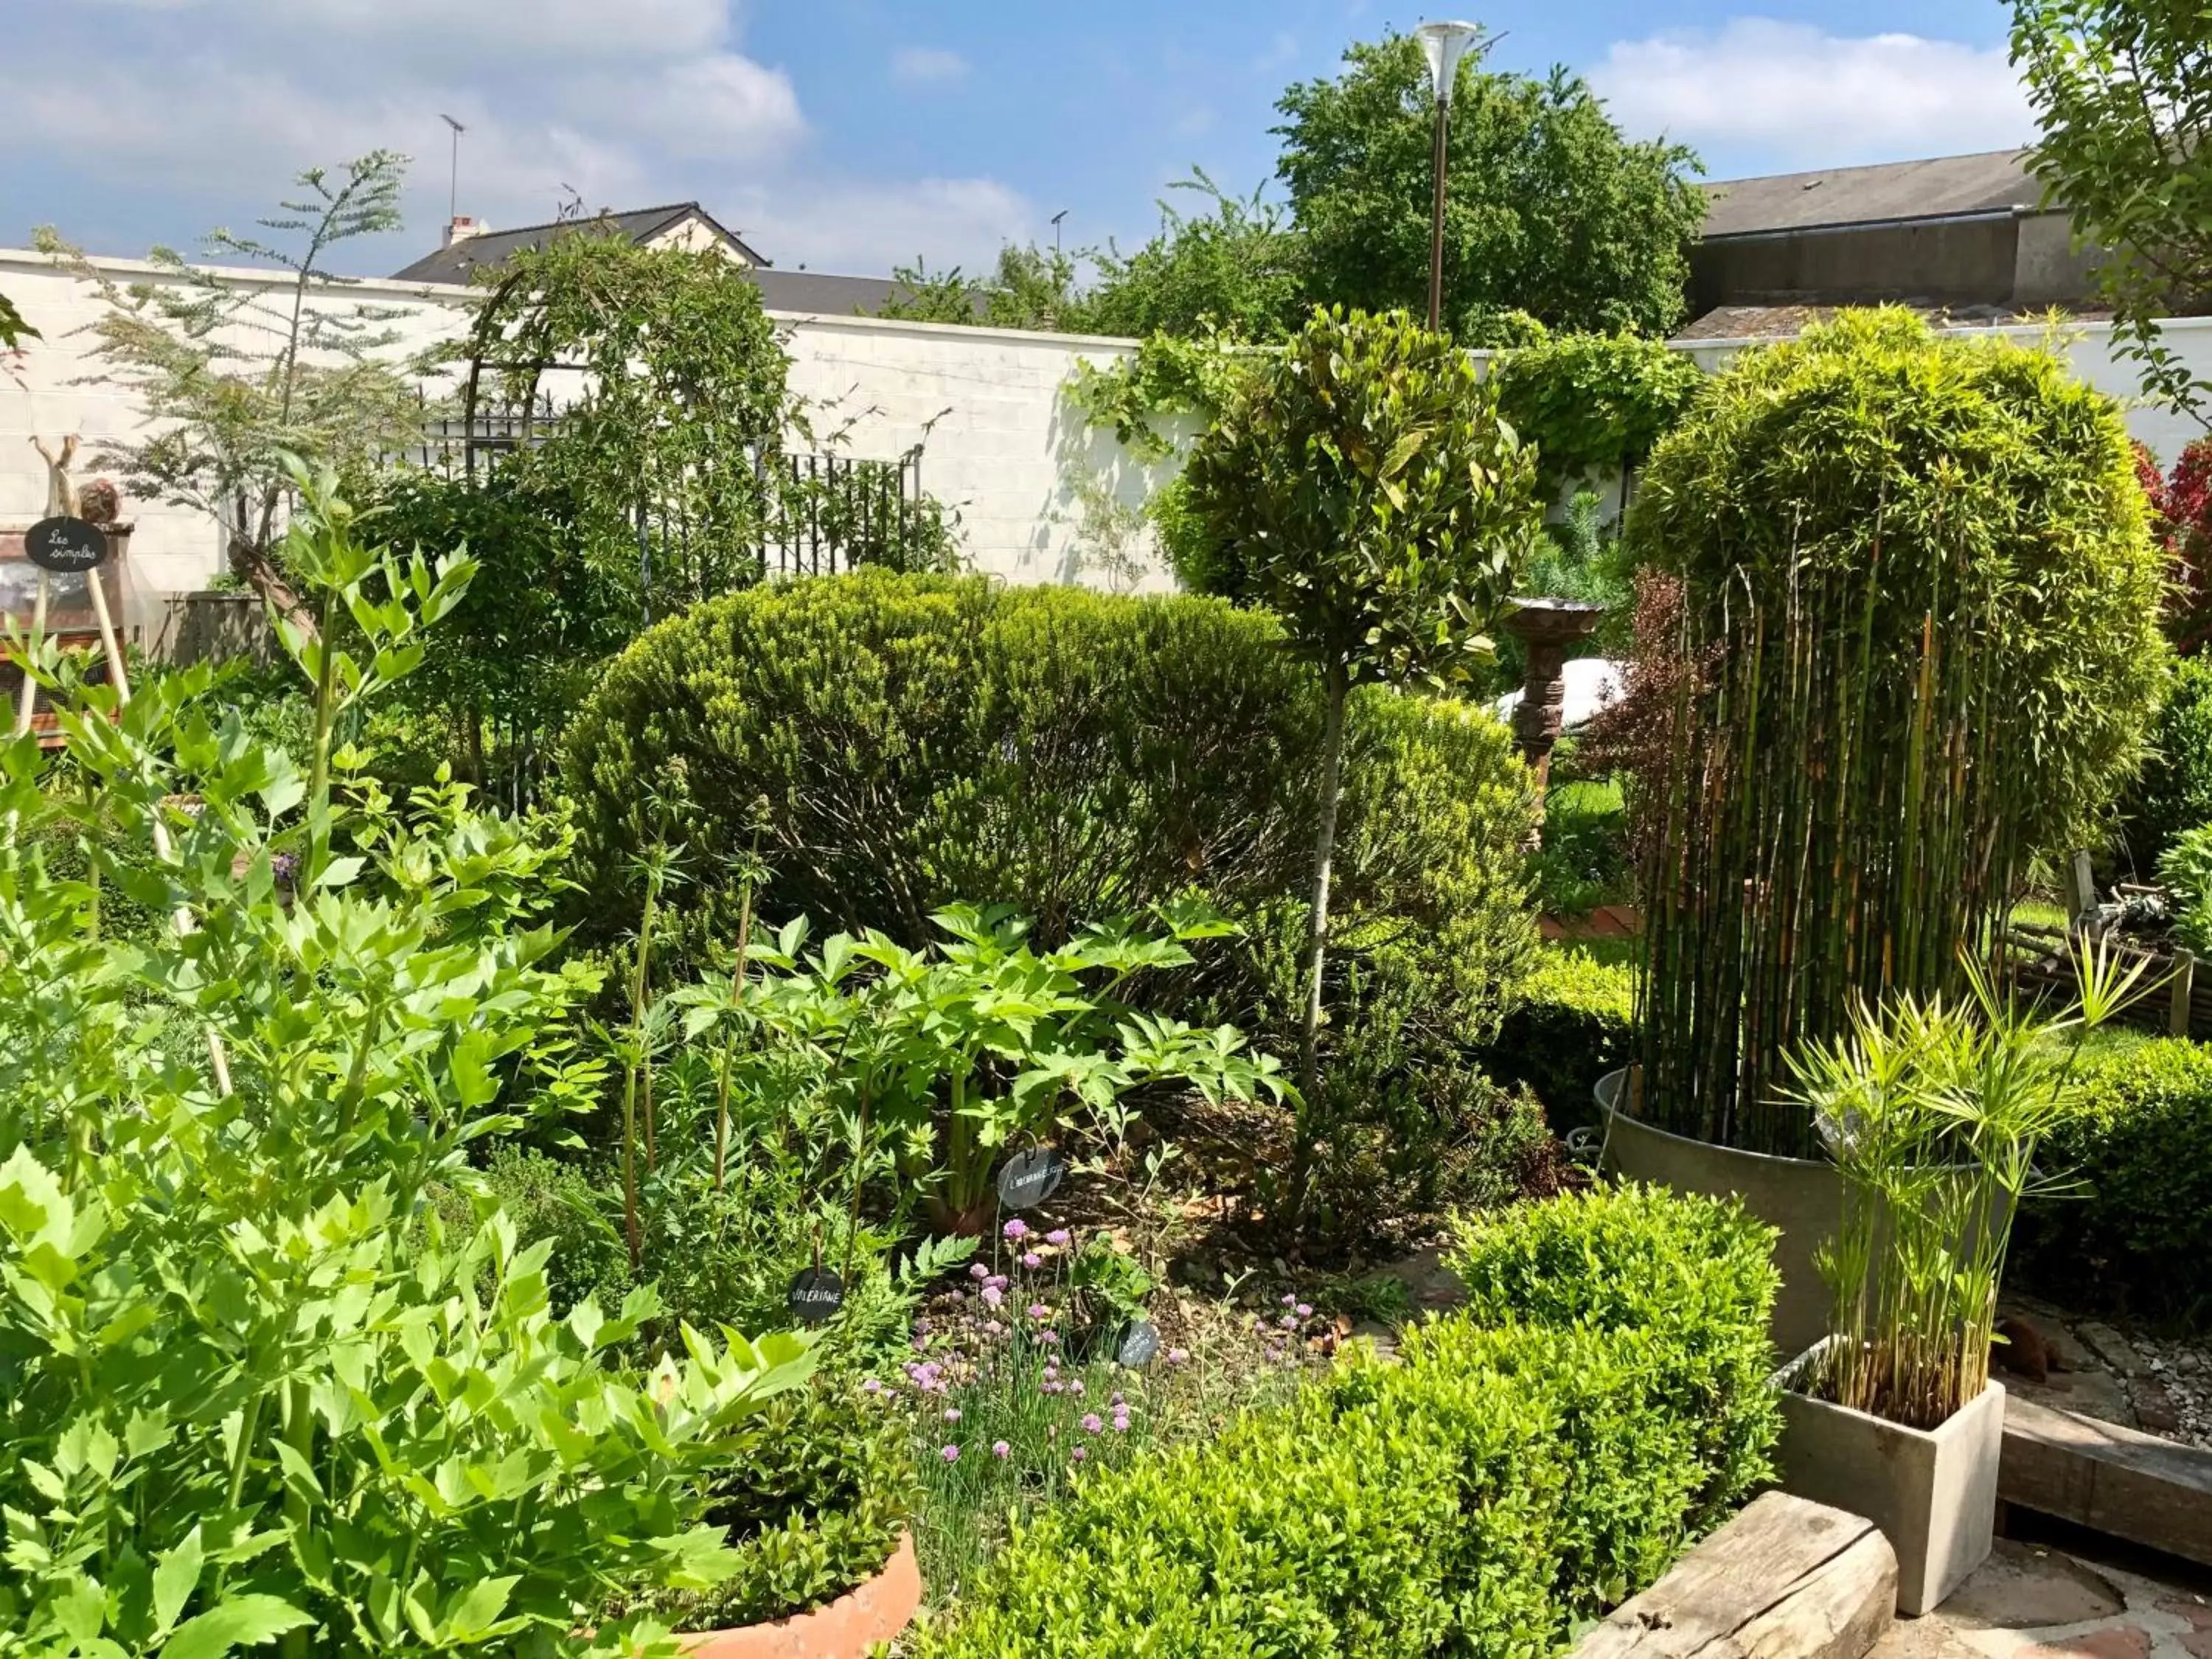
(463, 228)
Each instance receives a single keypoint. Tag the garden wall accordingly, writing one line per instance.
(1002, 443)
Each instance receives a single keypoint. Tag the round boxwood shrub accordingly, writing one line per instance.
(2135, 1228)
(1920, 630)
(889, 744)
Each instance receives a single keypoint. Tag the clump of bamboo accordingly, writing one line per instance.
(1918, 633)
(1933, 1110)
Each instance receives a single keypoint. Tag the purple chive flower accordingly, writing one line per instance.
(1117, 1402)
(1304, 1310)
(993, 1295)
(1032, 1259)
(1092, 1422)
(1290, 1321)
(1076, 1387)
(1121, 1422)
(995, 1282)
(951, 1453)
(1047, 1336)
(1001, 1450)
(1178, 1356)
(952, 1414)
(1017, 1228)
(872, 1386)
(1080, 1453)
(977, 1270)
(1057, 1235)
(1290, 1302)
(1038, 1310)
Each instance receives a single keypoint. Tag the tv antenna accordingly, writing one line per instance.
(453, 184)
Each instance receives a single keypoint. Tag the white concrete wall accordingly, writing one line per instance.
(1001, 444)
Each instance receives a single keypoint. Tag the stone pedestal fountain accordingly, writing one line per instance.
(1546, 629)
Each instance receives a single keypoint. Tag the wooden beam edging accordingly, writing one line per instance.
(2108, 1477)
(1785, 1579)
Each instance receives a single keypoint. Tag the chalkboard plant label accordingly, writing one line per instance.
(66, 545)
(1140, 1345)
(1028, 1178)
(816, 1295)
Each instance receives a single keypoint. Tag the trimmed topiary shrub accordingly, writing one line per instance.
(2174, 793)
(1571, 1021)
(1920, 633)
(892, 744)
(2136, 1232)
(1531, 1462)
(1593, 404)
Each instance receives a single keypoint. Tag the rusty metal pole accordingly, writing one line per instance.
(1436, 220)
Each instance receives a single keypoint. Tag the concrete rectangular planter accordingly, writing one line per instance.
(1932, 1491)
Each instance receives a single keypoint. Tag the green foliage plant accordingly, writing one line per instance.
(983, 1042)
(1365, 490)
(2122, 95)
(1920, 644)
(2173, 793)
(14, 331)
(1935, 1112)
(2134, 1234)
(681, 406)
(232, 375)
(252, 1388)
(2185, 868)
(1571, 1021)
(1549, 209)
(1530, 1463)
(1593, 404)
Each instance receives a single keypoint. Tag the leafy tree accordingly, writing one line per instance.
(1365, 488)
(2122, 91)
(1239, 268)
(235, 376)
(1549, 209)
(1032, 288)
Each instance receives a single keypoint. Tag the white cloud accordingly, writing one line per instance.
(870, 228)
(1798, 93)
(919, 65)
(722, 108)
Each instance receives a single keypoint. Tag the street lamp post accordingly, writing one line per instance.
(1444, 45)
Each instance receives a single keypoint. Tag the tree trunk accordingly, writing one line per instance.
(260, 572)
(1331, 780)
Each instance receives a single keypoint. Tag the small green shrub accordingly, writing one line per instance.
(2185, 867)
(2138, 1231)
(2174, 793)
(1572, 1021)
(1584, 861)
(820, 1486)
(1532, 1461)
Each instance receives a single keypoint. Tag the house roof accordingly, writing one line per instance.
(820, 292)
(1941, 187)
(460, 262)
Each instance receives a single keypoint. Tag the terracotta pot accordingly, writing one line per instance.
(875, 1612)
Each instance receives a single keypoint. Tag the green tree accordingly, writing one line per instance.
(1031, 288)
(2123, 92)
(234, 376)
(1548, 209)
(1239, 267)
(1365, 488)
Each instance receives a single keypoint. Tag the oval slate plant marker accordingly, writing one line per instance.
(1141, 1347)
(1030, 1177)
(67, 545)
(816, 1295)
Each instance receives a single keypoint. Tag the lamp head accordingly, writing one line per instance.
(1444, 45)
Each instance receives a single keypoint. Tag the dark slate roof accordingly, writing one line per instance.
(820, 292)
(460, 262)
(1942, 188)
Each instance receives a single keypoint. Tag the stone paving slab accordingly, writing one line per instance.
(2031, 1602)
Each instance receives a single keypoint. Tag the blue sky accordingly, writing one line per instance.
(851, 134)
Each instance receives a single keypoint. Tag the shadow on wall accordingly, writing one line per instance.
(1094, 528)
